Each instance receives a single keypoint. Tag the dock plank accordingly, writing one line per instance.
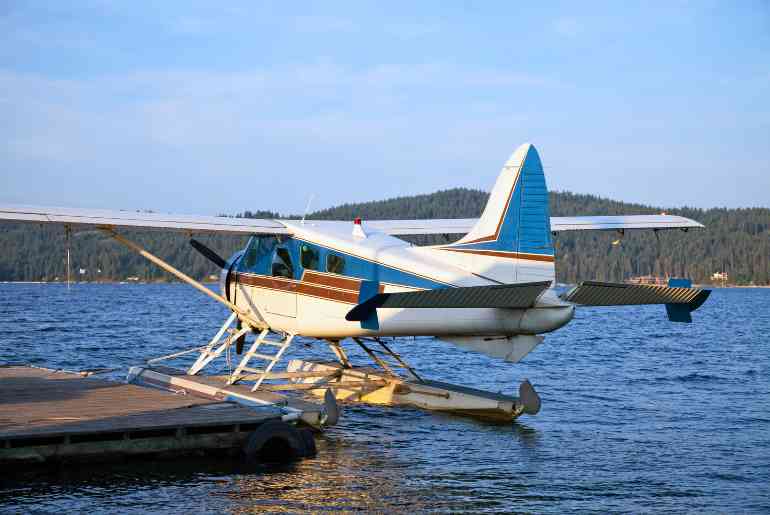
(35, 401)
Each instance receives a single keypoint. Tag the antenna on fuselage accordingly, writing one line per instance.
(307, 207)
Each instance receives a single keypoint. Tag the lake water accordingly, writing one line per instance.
(639, 414)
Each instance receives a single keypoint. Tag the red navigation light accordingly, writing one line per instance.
(358, 230)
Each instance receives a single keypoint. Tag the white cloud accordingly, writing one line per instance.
(568, 27)
(322, 24)
(415, 30)
(320, 121)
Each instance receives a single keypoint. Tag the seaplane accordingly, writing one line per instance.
(355, 282)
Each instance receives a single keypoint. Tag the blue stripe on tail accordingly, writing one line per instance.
(526, 225)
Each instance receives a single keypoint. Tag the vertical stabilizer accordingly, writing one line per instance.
(512, 240)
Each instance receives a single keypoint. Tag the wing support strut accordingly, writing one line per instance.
(243, 314)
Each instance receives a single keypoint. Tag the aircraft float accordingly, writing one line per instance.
(356, 283)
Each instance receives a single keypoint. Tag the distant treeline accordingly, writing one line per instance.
(736, 241)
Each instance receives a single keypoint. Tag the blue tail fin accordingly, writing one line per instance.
(516, 223)
(516, 217)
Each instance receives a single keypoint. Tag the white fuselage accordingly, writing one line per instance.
(315, 303)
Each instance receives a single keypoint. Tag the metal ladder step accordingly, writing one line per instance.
(271, 359)
(266, 357)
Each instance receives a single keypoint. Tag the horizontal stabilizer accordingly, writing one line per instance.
(594, 293)
(677, 299)
(522, 296)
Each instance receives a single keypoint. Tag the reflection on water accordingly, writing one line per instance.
(638, 415)
(528, 436)
(331, 482)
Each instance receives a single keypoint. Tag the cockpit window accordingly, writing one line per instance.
(250, 259)
(335, 263)
(282, 266)
(259, 254)
(308, 256)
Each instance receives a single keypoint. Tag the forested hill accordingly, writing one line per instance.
(735, 240)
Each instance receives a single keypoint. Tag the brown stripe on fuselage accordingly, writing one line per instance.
(508, 255)
(348, 296)
(482, 240)
(264, 281)
(335, 281)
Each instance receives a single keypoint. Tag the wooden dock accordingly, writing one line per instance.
(48, 415)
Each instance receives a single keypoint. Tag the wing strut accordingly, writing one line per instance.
(245, 315)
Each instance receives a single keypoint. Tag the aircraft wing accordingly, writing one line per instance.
(624, 222)
(435, 226)
(558, 224)
(225, 225)
(140, 220)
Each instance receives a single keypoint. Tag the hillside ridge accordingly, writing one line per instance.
(735, 240)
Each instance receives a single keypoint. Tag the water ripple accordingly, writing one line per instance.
(639, 415)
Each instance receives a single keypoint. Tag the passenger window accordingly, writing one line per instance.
(282, 263)
(308, 256)
(335, 263)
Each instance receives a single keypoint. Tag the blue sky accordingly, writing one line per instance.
(193, 107)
